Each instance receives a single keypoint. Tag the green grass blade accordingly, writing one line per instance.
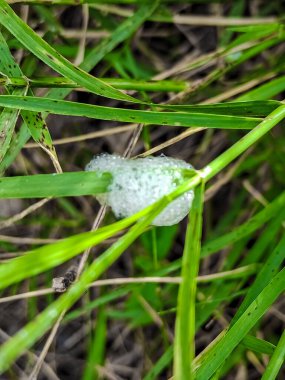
(55, 185)
(184, 344)
(97, 347)
(245, 229)
(249, 108)
(100, 301)
(231, 338)
(269, 268)
(53, 255)
(119, 83)
(159, 366)
(15, 147)
(27, 336)
(8, 118)
(121, 33)
(244, 143)
(265, 91)
(182, 119)
(33, 121)
(50, 256)
(276, 361)
(258, 345)
(52, 58)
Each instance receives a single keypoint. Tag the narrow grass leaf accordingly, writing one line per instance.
(119, 83)
(162, 363)
(183, 119)
(122, 32)
(19, 140)
(258, 345)
(100, 301)
(184, 344)
(96, 351)
(269, 268)
(245, 229)
(265, 91)
(8, 117)
(55, 185)
(242, 108)
(216, 356)
(276, 361)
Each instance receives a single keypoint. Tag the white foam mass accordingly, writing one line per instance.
(140, 182)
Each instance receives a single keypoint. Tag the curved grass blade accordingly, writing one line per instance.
(52, 58)
(183, 119)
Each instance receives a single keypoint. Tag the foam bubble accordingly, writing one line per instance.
(141, 182)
